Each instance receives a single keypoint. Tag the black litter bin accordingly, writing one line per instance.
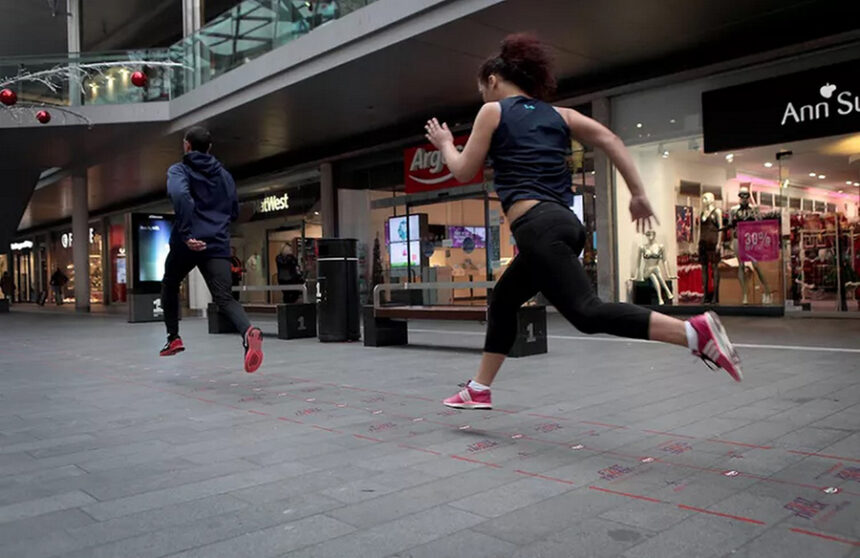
(340, 306)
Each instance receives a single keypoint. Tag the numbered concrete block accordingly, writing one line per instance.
(531, 332)
(297, 321)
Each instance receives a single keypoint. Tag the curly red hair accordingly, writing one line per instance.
(524, 61)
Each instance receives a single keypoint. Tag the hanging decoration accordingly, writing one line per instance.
(63, 77)
(138, 79)
(8, 97)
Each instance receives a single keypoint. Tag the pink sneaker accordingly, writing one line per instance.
(714, 345)
(469, 398)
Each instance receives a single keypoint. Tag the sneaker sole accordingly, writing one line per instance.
(254, 354)
(470, 406)
(172, 353)
(725, 345)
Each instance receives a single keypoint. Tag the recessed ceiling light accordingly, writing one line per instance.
(841, 192)
(848, 182)
(857, 183)
(813, 175)
(730, 157)
(672, 121)
(821, 177)
(638, 124)
(768, 165)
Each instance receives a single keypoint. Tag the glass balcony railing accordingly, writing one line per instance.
(89, 79)
(247, 31)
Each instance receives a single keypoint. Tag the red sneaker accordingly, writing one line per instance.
(470, 398)
(172, 347)
(253, 349)
(714, 345)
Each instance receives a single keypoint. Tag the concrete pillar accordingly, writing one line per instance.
(81, 243)
(328, 204)
(74, 24)
(604, 188)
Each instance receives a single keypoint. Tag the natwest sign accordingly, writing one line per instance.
(425, 170)
(813, 104)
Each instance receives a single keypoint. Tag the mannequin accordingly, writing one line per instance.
(745, 211)
(653, 267)
(710, 240)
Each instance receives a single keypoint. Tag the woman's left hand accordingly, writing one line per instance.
(438, 134)
(642, 213)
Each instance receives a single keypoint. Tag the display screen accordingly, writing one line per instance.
(458, 235)
(153, 245)
(398, 253)
(397, 228)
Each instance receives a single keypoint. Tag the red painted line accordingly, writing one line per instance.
(547, 416)
(738, 444)
(824, 455)
(670, 434)
(285, 419)
(363, 437)
(627, 494)
(252, 411)
(318, 427)
(603, 424)
(407, 446)
(728, 515)
(488, 464)
(544, 477)
(823, 536)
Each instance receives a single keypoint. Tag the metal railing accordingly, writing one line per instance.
(275, 288)
(390, 287)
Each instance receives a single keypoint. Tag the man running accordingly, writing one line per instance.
(205, 201)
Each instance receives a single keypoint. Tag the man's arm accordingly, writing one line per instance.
(183, 203)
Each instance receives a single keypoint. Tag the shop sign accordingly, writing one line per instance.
(812, 104)
(19, 246)
(758, 241)
(66, 239)
(424, 169)
(273, 204)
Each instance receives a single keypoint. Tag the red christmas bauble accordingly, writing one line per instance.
(43, 116)
(138, 79)
(8, 97)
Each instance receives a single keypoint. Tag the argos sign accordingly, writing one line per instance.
(425, 170)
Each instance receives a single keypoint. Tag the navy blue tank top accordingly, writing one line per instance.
(529, 153)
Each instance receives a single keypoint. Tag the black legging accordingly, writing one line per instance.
(216, 272)
(550, 238)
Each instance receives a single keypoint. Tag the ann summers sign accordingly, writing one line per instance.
(812, 104)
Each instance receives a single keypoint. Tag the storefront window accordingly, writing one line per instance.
(283, 217)
(753, 227)
(758, 171)
(62, 259)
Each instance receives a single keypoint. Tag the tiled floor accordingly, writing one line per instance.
(599, 448)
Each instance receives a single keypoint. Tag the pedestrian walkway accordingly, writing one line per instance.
(602, 447)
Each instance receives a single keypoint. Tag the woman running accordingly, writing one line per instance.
(528, 141)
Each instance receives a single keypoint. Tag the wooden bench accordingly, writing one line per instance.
(386, 325)
(295, 321)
